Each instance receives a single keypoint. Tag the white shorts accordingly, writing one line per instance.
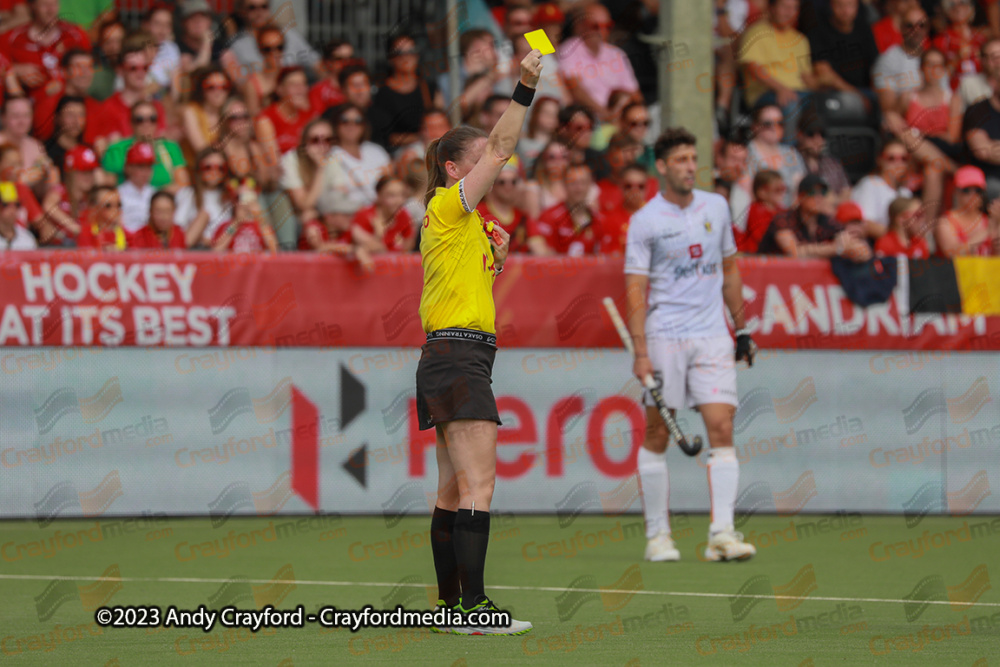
(693, 371)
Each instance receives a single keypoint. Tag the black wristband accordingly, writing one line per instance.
(523, 95)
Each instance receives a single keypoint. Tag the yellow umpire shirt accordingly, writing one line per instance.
(458, 266)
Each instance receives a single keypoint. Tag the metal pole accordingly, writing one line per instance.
(453, 58)
(686, 60)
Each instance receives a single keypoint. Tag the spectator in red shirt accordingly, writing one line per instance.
(960, 43)
(245, 233)
(614, 232)
(500, 206)
(115, 119)
(887, 30)
(623, 150)
(78, 66)
(79, 175)
(573, 227)
(262, 81)
(279, 126)
(39, 172)
(966, 230)
(103, 229)
(12, 170)
(326, 92)
(385, 226)
(13, 13)
(36, 49)
(906, 220)
(769, 191)
(160, 232)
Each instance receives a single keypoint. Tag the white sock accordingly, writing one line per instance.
(655, 490)
(723, 481)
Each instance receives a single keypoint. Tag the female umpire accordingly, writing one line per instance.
(461, 259)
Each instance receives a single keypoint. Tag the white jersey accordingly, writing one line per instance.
(681, 251)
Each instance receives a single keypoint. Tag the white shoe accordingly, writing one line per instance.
(515, 628)
(728, 545)
(661, 548)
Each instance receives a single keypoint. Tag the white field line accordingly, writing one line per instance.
(552, 589)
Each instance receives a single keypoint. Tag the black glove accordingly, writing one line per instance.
(745, 348)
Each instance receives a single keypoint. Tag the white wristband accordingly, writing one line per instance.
(742, 332)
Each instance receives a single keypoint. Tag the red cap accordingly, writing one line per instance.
(849, 212)
(140, 154)
(970, 177)
(80, 158)
(548, 13)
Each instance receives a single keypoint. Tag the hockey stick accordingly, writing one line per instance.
(694, 447)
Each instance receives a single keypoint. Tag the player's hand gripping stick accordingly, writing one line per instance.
(692, 448)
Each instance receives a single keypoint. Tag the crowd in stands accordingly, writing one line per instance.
(232, 133)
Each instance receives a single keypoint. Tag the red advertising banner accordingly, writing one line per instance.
(189, 299)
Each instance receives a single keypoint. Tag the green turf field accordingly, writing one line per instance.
(840, 587)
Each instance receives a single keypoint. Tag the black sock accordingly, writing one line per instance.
(443, 547)
(472, 537)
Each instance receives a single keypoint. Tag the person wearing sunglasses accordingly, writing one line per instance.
(806, 231)
(201, 117)
(887, 31)
(244, 153)
(207, 207)
(364, 162)
(966, 230)
(244, 56)
(897, 71)
(404, 96)
(326, 92)
(876, 191)
(776, 63)
(78, 68)
(592, 66)
(169, 166)
(811, 144)
(114, 122)
(260, 84)
(102, 229)
(247, 231)
(501, 205)
(767, 150)
(576, 130)
(614, 227)
(12, 235)
(313, 180)
(622, 152)
(385, 226)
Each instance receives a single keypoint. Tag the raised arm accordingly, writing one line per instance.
(503, 139)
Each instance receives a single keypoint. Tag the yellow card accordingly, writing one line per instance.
(537, 39)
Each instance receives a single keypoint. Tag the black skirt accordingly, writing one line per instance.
(453, 381)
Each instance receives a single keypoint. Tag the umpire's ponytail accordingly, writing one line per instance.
(449, 148)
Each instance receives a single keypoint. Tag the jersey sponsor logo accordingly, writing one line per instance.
(708, 227)
(427, 220)
(690, 270)
(695, 250)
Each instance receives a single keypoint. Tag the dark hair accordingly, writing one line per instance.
(73, 53)
(533, 118)
(566, 113)
(538, 171)
(64, 102)
(200, 76)
(13, 98)
(638, 168)
(337, 113)
(671, 138)
(758, 111)
(493, 99)
(350, 71)
(384, 181)
(395, 38)
(623, 140)
(982, 49)
(161, 194)
(140, 103)
(449, 148)
(330, 47)
(157, 7)
(289, 71)
(466, 39)
(95, 192)
(933, 49)
(764, 178)
(632, 105)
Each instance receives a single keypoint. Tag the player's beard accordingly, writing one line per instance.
(677, 184)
